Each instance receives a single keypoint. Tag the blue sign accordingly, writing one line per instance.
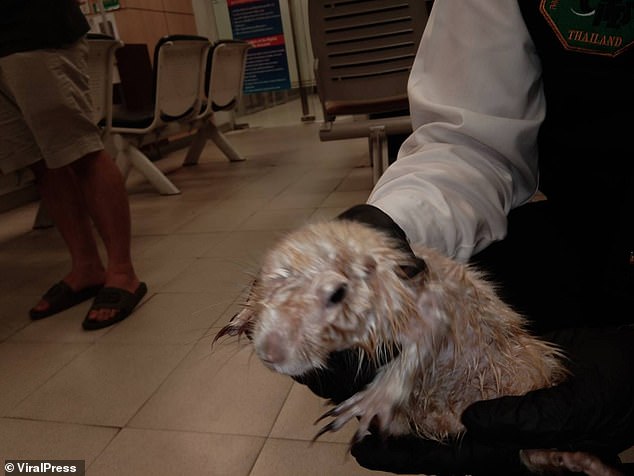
(260, 23)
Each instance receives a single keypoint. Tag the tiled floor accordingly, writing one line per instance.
(151, 396)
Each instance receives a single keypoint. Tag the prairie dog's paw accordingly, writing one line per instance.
(372, 406)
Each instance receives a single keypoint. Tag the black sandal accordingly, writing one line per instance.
(114, 298)
(61, 297)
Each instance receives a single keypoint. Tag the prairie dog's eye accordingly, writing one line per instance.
(338, 295)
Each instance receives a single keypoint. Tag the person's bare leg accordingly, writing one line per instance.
(62, 198)
(106, 200)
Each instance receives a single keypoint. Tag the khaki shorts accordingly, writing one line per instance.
(45, 108)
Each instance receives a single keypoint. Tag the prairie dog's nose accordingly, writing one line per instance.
(272, 349)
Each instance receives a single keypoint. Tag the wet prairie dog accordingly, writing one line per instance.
(338, 285)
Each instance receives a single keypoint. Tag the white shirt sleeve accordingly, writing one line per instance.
(476, 102)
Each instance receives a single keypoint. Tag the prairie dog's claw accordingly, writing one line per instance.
(343, 413)
(324, 429)
(329, 413)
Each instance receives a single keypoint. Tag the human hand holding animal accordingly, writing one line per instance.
(438, 336)
(589, 418)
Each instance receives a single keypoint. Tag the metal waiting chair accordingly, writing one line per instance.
(101, 55)
(364, 51)
(224, 80)
(178, 75)
(100, 65)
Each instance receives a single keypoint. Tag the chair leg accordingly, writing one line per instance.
(209, 131)
(219, 139)
(121, 157)
(378, 152)
(197, 146)
(123, 162)
(140, 162)
(129, 156)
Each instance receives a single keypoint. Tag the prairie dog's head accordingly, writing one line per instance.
(326, 287)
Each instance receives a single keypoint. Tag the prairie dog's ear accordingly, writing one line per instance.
(412, 269)
(369, 265)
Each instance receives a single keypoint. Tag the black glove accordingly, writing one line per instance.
(343, 376)
(593, 411)
(379, 220)
(412, 455)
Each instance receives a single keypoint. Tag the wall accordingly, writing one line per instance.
(146, 21)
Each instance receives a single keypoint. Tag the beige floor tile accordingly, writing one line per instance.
(30, 276)
(211, 172)
(211, 275)
(64, 327)
(291, 458)
(141, 203)
(105, 385)
(345, 199)
(169, 453)
(297, 419)
(245, 248)
(280, 142)
(25, 439)
(171, 318)
(26, 366)
(219, 389)
(359, 179)
(215, 220)
(33, 278)
(14, 312)
(319, 184)
(157, 273)
(237, 204)
(36, 246)
(151, 203)
(162, 221)
(322, 214)
(180, 246)
(297, 199)
(216, 181)
(143, 243)
(214, 189)
(289, 171)
(277, 219)
(264, 190)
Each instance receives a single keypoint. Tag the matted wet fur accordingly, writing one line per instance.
(341, 284)
(338, 285)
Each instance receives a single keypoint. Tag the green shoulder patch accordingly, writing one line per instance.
(602, 27)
